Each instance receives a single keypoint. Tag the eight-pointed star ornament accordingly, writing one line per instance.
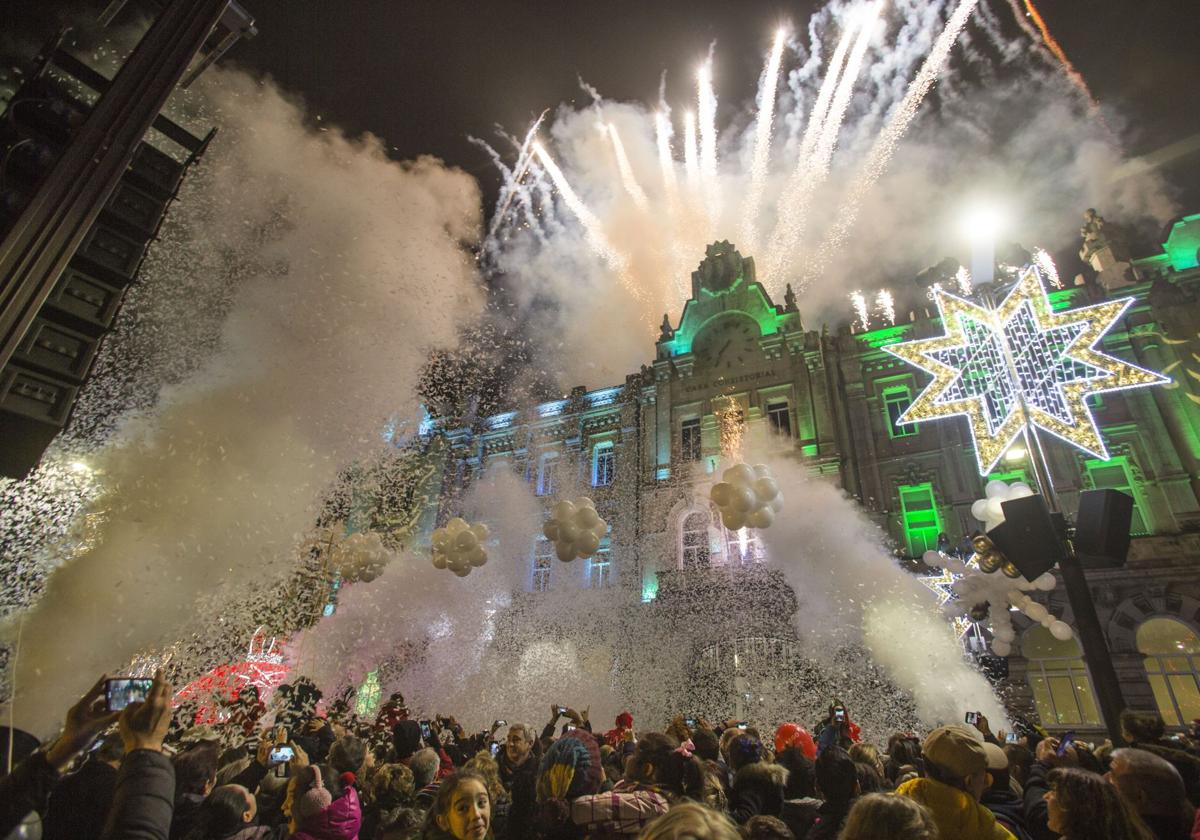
(1021, 359)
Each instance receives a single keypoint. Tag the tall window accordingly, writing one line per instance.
(896, 401)
(543, 557)
(696, 550)
(600, 567)
(1062, 690)
(547, 468)
(780, 418)
(690, 440)
(921, 522)
(604, 464)
(743, 547)
(1172, 653)
(1114, 474)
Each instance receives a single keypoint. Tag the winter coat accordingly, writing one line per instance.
(144, 799)
(1008, 809)
(255, 832)
(623, 811)
(79, 804)
(521, 782)
(757, 790)
(830, 818)
(956, 812)
(340, 821)
(1036, 811)
(187, 809)
(25, 789)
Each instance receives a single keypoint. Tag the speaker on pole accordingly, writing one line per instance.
(1102, 528)
(1028, 536)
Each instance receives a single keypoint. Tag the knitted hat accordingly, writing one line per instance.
(955, 751)
(570, 768)
(624, 721)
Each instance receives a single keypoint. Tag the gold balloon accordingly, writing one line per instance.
(989, 561)
(1010, 570)
(981, 544)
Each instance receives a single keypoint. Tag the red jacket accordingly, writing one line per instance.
(340, 821)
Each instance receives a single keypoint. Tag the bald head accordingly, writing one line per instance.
(1150, 784)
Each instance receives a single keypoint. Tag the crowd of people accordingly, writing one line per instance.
(307, 772)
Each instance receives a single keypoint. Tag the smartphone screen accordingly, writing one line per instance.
(1067, 740)
(495, 749)
(743, 725)
(281, 754)
(690, 723)
(1012, 738)
(426, 730)
(122, 691)
(839, 715)
(972, 718)
(500, 723)
(562, 710)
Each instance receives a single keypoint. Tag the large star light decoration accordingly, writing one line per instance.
(989, 361)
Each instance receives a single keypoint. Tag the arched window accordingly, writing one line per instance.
(1061, 688)
(695, 551)
(743, 547)
(1172, 653)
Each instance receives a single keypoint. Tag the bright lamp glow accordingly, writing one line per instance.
(983, 221)
(1016, 452)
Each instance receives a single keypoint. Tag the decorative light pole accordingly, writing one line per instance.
(1017, 368)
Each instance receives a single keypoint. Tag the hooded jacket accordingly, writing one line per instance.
(956, 812)
(340, 821)
(79, 804)
(757, 790)
(1008, 809)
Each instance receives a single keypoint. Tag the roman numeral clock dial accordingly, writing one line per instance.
(727, 345)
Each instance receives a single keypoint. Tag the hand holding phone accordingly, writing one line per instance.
(121, 691)
(972, 718)
(281, 754)
(839, 715)
(1067, 740)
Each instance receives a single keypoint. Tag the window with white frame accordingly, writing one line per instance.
(779, 416)
(604, 464)
(547, 473)
(743, 547)
(689, 441)
(695, 550)
(600, 566)
(1062, 690)
(1172, 659)
(543, 558)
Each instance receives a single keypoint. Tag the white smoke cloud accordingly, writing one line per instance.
(1002, 119)
(348, 267)
(852, 591)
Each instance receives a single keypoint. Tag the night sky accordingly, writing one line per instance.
(425, 74)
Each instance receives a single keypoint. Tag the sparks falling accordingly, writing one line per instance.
(861, 314)
(627, 177)
(768, 86)
(885, 305)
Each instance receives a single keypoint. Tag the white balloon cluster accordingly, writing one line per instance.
(747, 497)
(575, 529)
(990, 584)
(988, 510)
(360, 556)
(459, 547)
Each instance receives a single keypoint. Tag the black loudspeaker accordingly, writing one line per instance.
(1027, 536)
(1102, 528)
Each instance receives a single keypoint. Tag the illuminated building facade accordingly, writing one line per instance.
(739, 365)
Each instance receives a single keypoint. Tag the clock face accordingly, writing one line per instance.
(727, 345)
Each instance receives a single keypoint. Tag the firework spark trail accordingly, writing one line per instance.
(963, 278)
(691, 153)
(768, 86)
(1057, 51)
(512, 180)
(859, 303)
(782, 239)
(628, 179)
(706, 99)
(885, 144)
(832, 125)
(592, 227)
(666, 162)
(1045, 262)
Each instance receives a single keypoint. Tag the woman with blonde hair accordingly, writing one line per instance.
(691, 821)
(882, 816)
